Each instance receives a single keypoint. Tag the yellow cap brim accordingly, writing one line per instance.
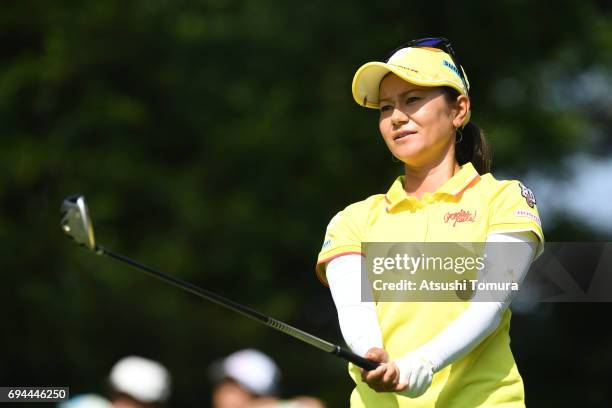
(366, 82)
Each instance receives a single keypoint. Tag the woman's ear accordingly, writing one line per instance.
(462, 107)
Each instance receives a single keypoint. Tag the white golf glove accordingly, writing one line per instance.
(417, 372)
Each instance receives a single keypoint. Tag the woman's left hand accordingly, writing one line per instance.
(385, 378)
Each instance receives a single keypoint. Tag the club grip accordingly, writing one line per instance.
(364, 363)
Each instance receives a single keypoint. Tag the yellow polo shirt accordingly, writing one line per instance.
(466, 208)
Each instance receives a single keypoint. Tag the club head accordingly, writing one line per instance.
(76, 222)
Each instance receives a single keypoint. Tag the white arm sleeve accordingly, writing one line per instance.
(481, 317)
(358, 320)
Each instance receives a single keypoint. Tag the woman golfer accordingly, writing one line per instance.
(432, 354)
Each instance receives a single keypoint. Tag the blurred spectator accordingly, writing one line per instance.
(137, 382)
(250, 379)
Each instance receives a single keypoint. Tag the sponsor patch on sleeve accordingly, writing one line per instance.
(528, 195)
(527, 214)
(326, 244)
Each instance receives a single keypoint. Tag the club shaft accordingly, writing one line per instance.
(246, 311)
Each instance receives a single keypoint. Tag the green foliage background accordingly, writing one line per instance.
(215, 139)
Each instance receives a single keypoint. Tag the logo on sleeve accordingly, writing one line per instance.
(326, 244)
(528, 194)
(527, 214)
(459, 216)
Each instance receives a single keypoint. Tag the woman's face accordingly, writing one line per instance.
(416, 122)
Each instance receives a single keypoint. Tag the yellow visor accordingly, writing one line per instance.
(422, 66)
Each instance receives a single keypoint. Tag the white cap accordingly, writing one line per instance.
(145, 380)
(86, 401)
(251, 369)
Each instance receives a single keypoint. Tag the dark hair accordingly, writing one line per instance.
(473, 146)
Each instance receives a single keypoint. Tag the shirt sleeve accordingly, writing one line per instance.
(343, 236)
(514, 209)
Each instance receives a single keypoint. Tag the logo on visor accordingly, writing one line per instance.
(404, 67)
(452, 67)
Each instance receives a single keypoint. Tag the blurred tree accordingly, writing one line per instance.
(215, 139)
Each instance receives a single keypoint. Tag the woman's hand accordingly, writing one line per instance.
(416, 371)
(386, 377)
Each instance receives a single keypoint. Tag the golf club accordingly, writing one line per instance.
(76, 223)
